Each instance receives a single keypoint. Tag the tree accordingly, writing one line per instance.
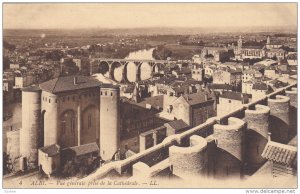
(5, 62)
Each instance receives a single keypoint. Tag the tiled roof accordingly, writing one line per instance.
(154, 101)
(32, 88)
(85, 149)
(281, 153)
(178, 124)
(196, 98)
(51, 150)
(221, 86)
(234, 95)
(63, 84)
(260, 86)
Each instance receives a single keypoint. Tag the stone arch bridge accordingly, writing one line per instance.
(128, 70)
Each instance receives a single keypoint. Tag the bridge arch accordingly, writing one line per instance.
(131, 71)
(112, 72)
(156, 67)
(103, 67)
(144, 70)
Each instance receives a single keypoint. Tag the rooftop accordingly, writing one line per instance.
(51, 150)
(281, 153)
(235, 95)
(196, 98)
(33, 88)
(84, 149)
(64, 84)
(260, 86)
(178, 124)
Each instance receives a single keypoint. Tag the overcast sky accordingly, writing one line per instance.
(130, 15)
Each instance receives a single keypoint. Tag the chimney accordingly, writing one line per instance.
(75, 80)
(269, 136)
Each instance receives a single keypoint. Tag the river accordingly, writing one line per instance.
(141, 54)
(132, 69)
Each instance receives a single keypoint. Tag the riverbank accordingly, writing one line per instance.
(176, 52)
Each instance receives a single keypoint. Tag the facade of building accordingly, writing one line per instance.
(69, 111)
(230, 76)
(193, 109)
(230, 101)
(49, 159)
(198, 74)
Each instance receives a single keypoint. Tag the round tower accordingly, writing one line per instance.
(50, 118)
(256, 134)
(30, 133)
(279, 118)
(190, 161)
(292, 94)
(230, 147)
(109, 121)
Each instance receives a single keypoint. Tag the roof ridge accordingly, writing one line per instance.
(55, 84)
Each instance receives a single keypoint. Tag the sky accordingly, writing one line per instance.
(139, 15)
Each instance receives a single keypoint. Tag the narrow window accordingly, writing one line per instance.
(63, 127)
(72, 125)
(89, 121)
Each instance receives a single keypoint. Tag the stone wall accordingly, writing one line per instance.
(225, 148)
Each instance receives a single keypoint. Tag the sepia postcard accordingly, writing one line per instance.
(149, 95)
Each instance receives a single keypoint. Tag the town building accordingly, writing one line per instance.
(230, 101)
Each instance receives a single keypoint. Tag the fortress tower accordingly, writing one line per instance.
(109, 121)
(49, 118)
(229, 138)
(30, 131)
(256, 134)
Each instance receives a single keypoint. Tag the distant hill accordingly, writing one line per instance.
(144, 31)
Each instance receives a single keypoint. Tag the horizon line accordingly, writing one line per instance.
(147, 27)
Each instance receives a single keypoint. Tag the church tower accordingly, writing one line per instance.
(268, 40)
(240, 44)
